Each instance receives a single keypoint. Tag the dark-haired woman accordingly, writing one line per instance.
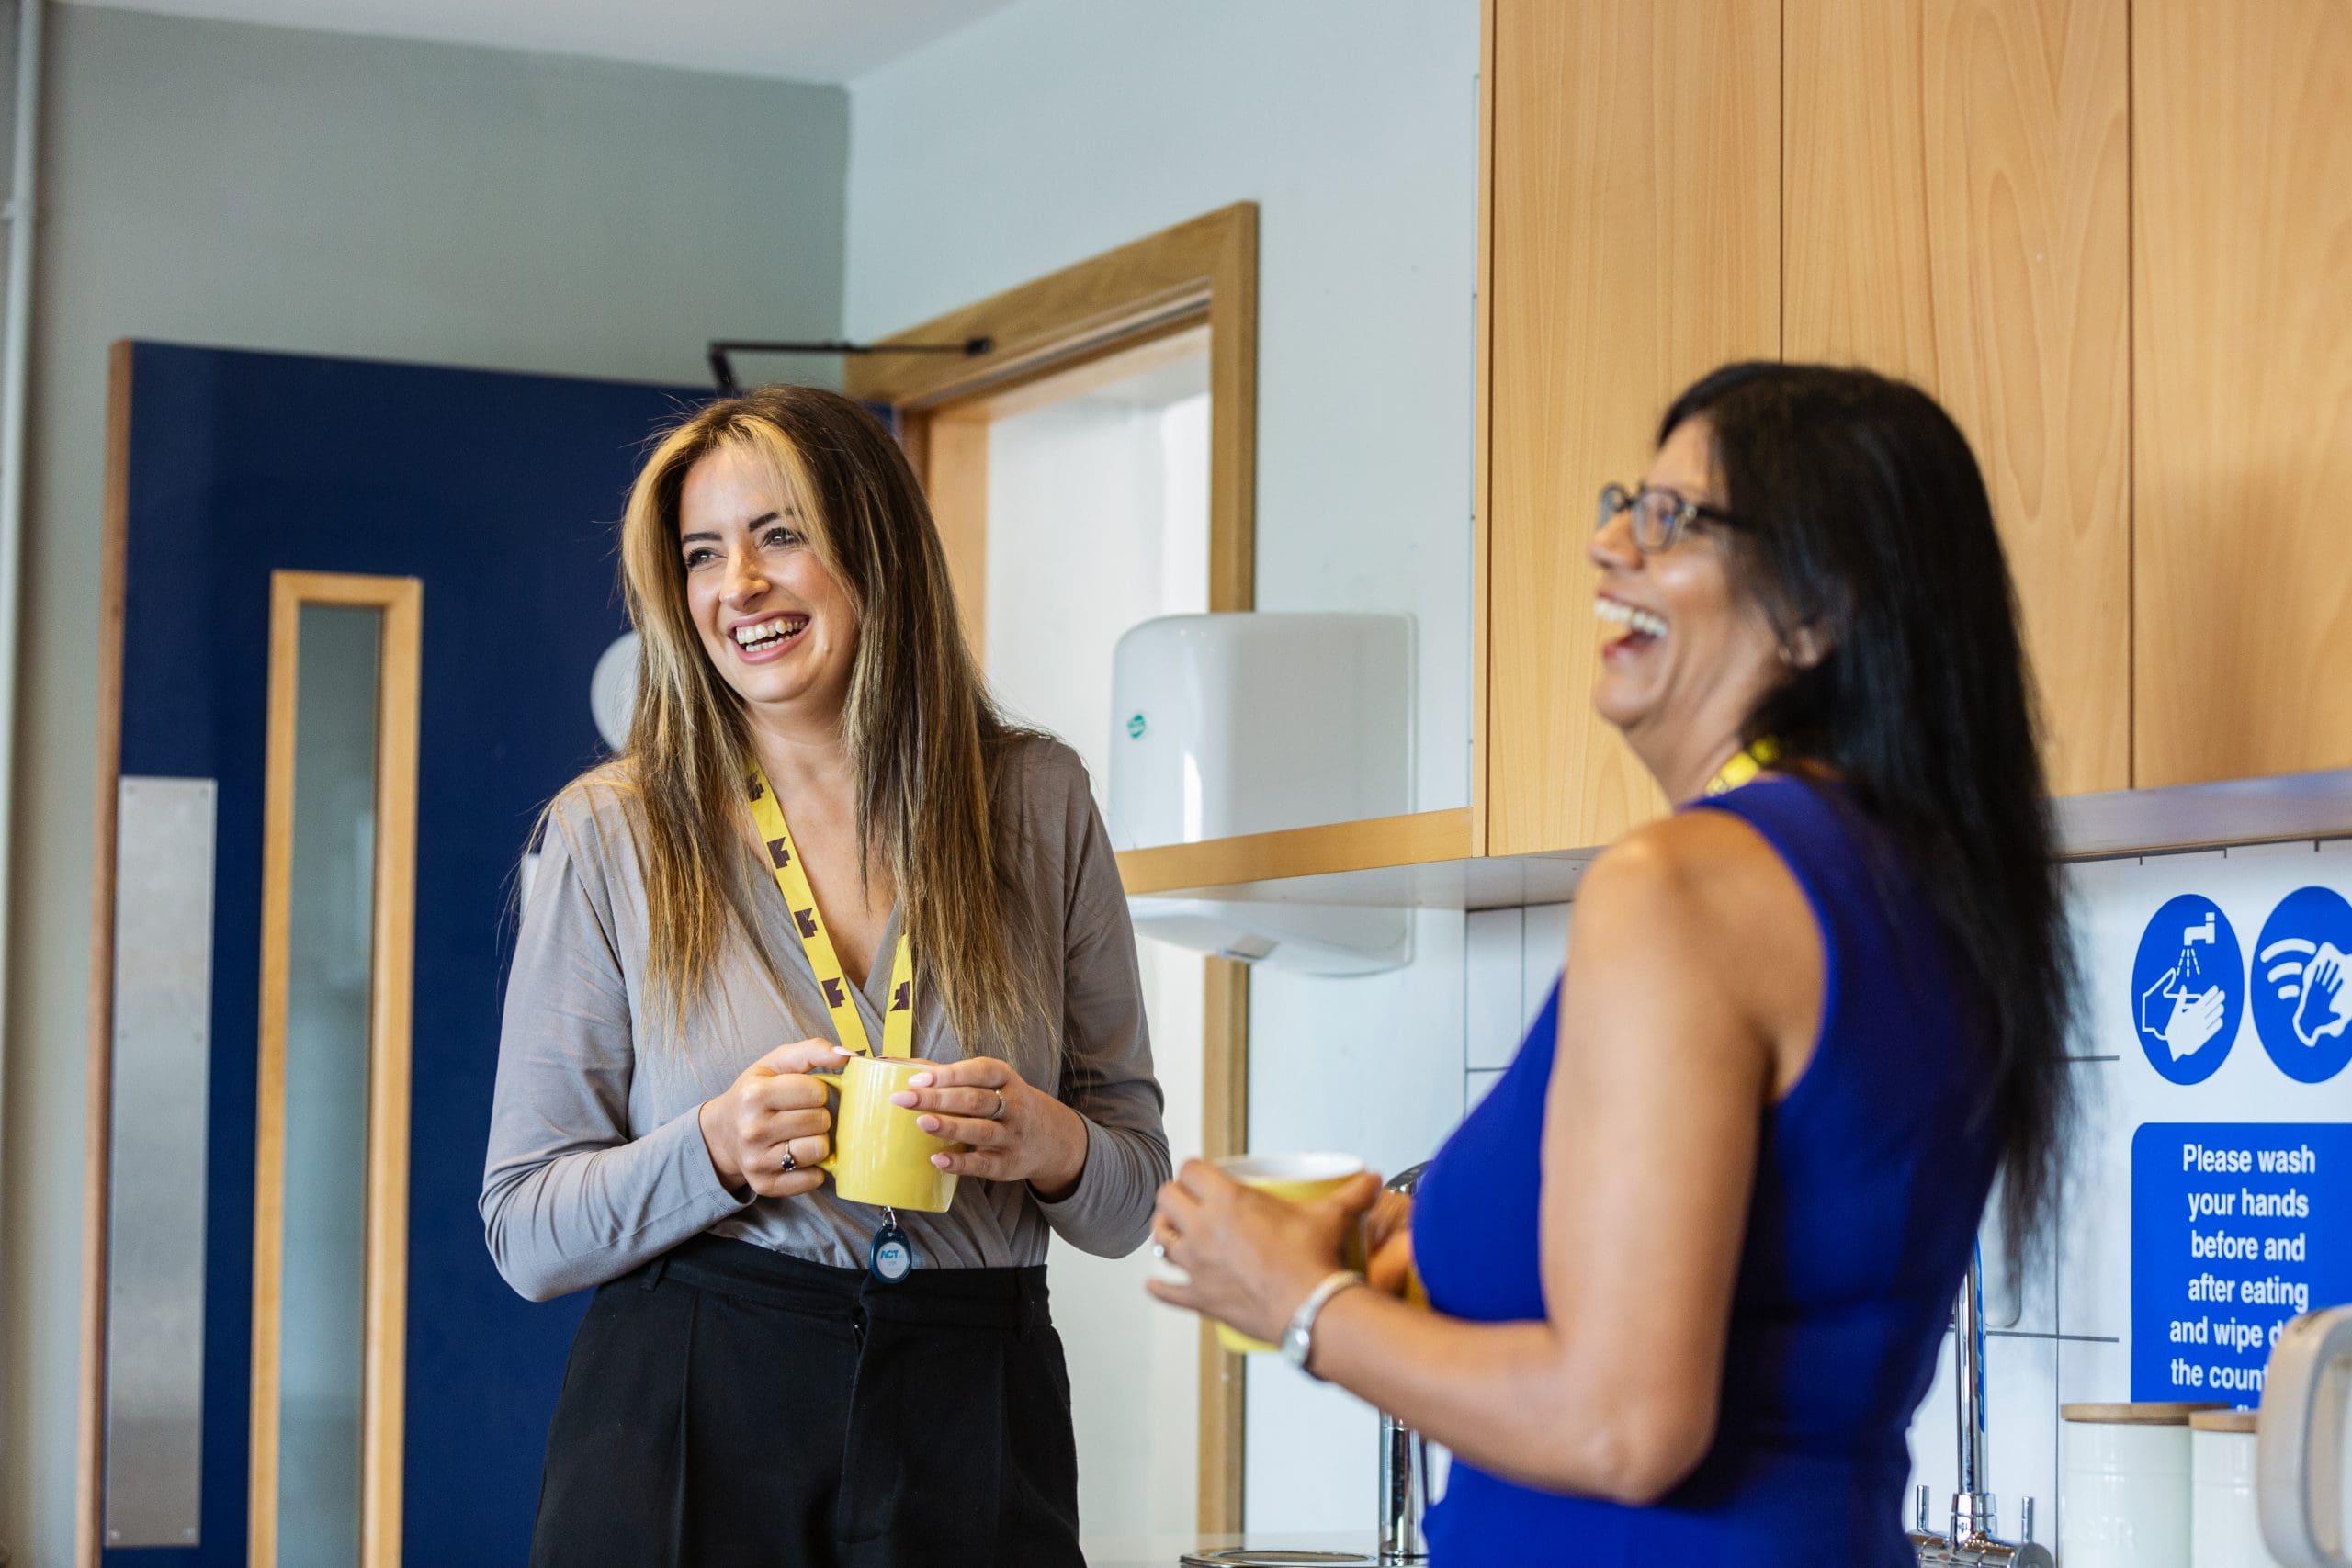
(761, 1380)
(1692, 1258)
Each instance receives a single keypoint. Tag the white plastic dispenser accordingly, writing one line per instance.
(1251, 723)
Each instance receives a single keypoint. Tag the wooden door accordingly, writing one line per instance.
(2242, 259)
(1635, 238)
(1958, 207)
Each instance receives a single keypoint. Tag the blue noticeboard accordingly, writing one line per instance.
(2235, 1228)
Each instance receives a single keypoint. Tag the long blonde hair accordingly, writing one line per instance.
(923, 737)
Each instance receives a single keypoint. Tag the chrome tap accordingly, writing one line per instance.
(1404, 1458)
(1974, 1540)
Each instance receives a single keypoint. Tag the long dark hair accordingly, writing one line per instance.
(1863, 521)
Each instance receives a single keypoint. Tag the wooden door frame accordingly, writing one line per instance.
(1200, 275)
(392, 897)
(98, 1104)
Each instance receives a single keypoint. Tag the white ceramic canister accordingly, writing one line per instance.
(2224, 1527)
(2123, 1485)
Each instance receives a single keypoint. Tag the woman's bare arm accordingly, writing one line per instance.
(1693, 998)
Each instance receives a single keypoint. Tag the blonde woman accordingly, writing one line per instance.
(751, 1384)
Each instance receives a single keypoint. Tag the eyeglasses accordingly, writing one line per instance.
(1660, 515)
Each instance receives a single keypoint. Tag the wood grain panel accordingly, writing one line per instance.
(389, 1055)
(1047, 323)
(97, 1116)
(1417, 839)
(2242, 254)
(1482, 423)
(1958, 198)
(1635, 244)
(956, 481)
(1225, 1130)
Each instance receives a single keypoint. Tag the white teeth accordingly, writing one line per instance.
(1626, 615)
(765, 631)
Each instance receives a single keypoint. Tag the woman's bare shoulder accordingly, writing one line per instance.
(1711, 873)
(1704, 892)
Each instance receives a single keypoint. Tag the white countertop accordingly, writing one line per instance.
(1163, 1550)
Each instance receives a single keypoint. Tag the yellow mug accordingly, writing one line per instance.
(1295, 1179)
(880, 1156)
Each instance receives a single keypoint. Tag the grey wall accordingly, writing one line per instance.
(269, 188)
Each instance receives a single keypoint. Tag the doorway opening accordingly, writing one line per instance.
(1095, 469)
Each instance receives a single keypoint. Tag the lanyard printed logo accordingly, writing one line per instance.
(1758, 756)
(898, 1020)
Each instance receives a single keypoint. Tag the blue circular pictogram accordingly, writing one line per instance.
(2188, 989)
(2302, 984)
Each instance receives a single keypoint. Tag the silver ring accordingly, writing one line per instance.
(790, 1164)
(998, 1114)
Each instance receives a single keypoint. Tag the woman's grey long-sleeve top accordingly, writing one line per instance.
(597, 1159)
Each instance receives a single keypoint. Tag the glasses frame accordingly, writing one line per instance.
(1616, 497)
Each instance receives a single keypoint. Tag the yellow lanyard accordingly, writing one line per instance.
(898, 1019)
(1761, 754)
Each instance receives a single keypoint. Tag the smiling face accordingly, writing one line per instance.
(1686, 655)
(775, 621)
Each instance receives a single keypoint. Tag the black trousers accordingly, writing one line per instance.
(728, 1406)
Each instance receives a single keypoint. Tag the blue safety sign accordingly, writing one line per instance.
(2235, 1228)
(2303, 985)
(2188, 989)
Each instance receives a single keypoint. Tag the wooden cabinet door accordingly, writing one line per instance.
(1958, 214)
(1635, 245)
(2242, 256)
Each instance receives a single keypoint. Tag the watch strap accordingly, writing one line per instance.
(1298, 1339)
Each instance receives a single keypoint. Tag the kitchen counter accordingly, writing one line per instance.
(1163, 1550)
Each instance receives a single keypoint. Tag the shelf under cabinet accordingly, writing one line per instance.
(1423, 861)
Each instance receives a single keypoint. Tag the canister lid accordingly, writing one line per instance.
(2224, 1420)
(2145, 1413)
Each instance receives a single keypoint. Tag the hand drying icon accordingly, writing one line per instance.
(2325, 1007)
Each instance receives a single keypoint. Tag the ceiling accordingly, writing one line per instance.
(802, 40)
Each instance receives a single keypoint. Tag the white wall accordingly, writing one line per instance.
(270, 189)
(1059, 129)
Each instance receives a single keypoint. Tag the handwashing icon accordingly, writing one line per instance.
(2196, 1016)
(2188, 988)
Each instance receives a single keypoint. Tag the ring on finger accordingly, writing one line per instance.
(998, 1114)
(790, 1163)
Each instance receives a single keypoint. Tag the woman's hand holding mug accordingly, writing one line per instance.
(1388, 1246)
(775, 1114)
(1013, 1129)
(1250, 1257)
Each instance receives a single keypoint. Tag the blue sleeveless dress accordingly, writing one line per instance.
(1869, 1185)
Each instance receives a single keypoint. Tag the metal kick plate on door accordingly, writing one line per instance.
(162, 1012)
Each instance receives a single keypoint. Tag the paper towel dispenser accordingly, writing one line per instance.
(1251, 723)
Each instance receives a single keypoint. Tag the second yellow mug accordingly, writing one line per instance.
(880, 1155)
(1296, 1178)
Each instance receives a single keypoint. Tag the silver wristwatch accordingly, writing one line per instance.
(1298, 1339)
